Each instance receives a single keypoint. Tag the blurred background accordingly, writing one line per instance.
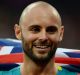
(10, 11)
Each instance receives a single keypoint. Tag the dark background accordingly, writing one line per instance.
(10, 11)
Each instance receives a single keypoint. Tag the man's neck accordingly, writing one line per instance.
(30, 68)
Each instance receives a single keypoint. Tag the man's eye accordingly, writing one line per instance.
(51, 30)
(35, 30)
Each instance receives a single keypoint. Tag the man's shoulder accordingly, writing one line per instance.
(63, 71)
(14, 71)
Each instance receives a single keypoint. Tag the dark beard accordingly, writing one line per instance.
(39, 61)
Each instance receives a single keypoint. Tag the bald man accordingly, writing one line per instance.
(40, 30)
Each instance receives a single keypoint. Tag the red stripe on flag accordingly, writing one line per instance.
(11, 58)
(69, 60)
(18, 58)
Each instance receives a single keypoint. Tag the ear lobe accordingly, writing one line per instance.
(17, 31)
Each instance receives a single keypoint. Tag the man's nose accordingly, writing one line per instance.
(43, 36)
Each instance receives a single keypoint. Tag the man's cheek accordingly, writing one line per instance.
(31, 37)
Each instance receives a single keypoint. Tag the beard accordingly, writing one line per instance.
(28, 50)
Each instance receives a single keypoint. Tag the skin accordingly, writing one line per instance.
(41, 31)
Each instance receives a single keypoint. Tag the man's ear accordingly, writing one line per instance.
(61, 33)
(17, 31)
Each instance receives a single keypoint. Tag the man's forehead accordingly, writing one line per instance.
(41, 11)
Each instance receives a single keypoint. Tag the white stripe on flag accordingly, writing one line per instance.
(60, 52)
(6, 50)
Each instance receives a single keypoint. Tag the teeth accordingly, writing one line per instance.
(42, 47)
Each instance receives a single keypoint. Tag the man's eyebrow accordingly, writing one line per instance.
(35, 26)
(53, 26)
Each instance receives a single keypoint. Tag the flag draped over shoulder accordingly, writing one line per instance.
(11, 55)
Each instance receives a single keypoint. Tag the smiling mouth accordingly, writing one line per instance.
(42, 47)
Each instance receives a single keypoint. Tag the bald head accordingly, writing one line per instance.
(38, 8)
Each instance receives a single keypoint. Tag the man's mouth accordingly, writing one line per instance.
(42, 47)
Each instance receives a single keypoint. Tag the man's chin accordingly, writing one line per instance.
(40, 60)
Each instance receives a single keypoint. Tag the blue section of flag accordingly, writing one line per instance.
(6, 42)
(73, 54)
(17, 49)
(6, 67)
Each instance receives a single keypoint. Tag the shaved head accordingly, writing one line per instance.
(42, 6)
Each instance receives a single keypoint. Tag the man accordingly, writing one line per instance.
(40, 29)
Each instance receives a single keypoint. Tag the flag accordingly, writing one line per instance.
(11, 55)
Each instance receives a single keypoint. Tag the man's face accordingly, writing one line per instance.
(41, 34)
